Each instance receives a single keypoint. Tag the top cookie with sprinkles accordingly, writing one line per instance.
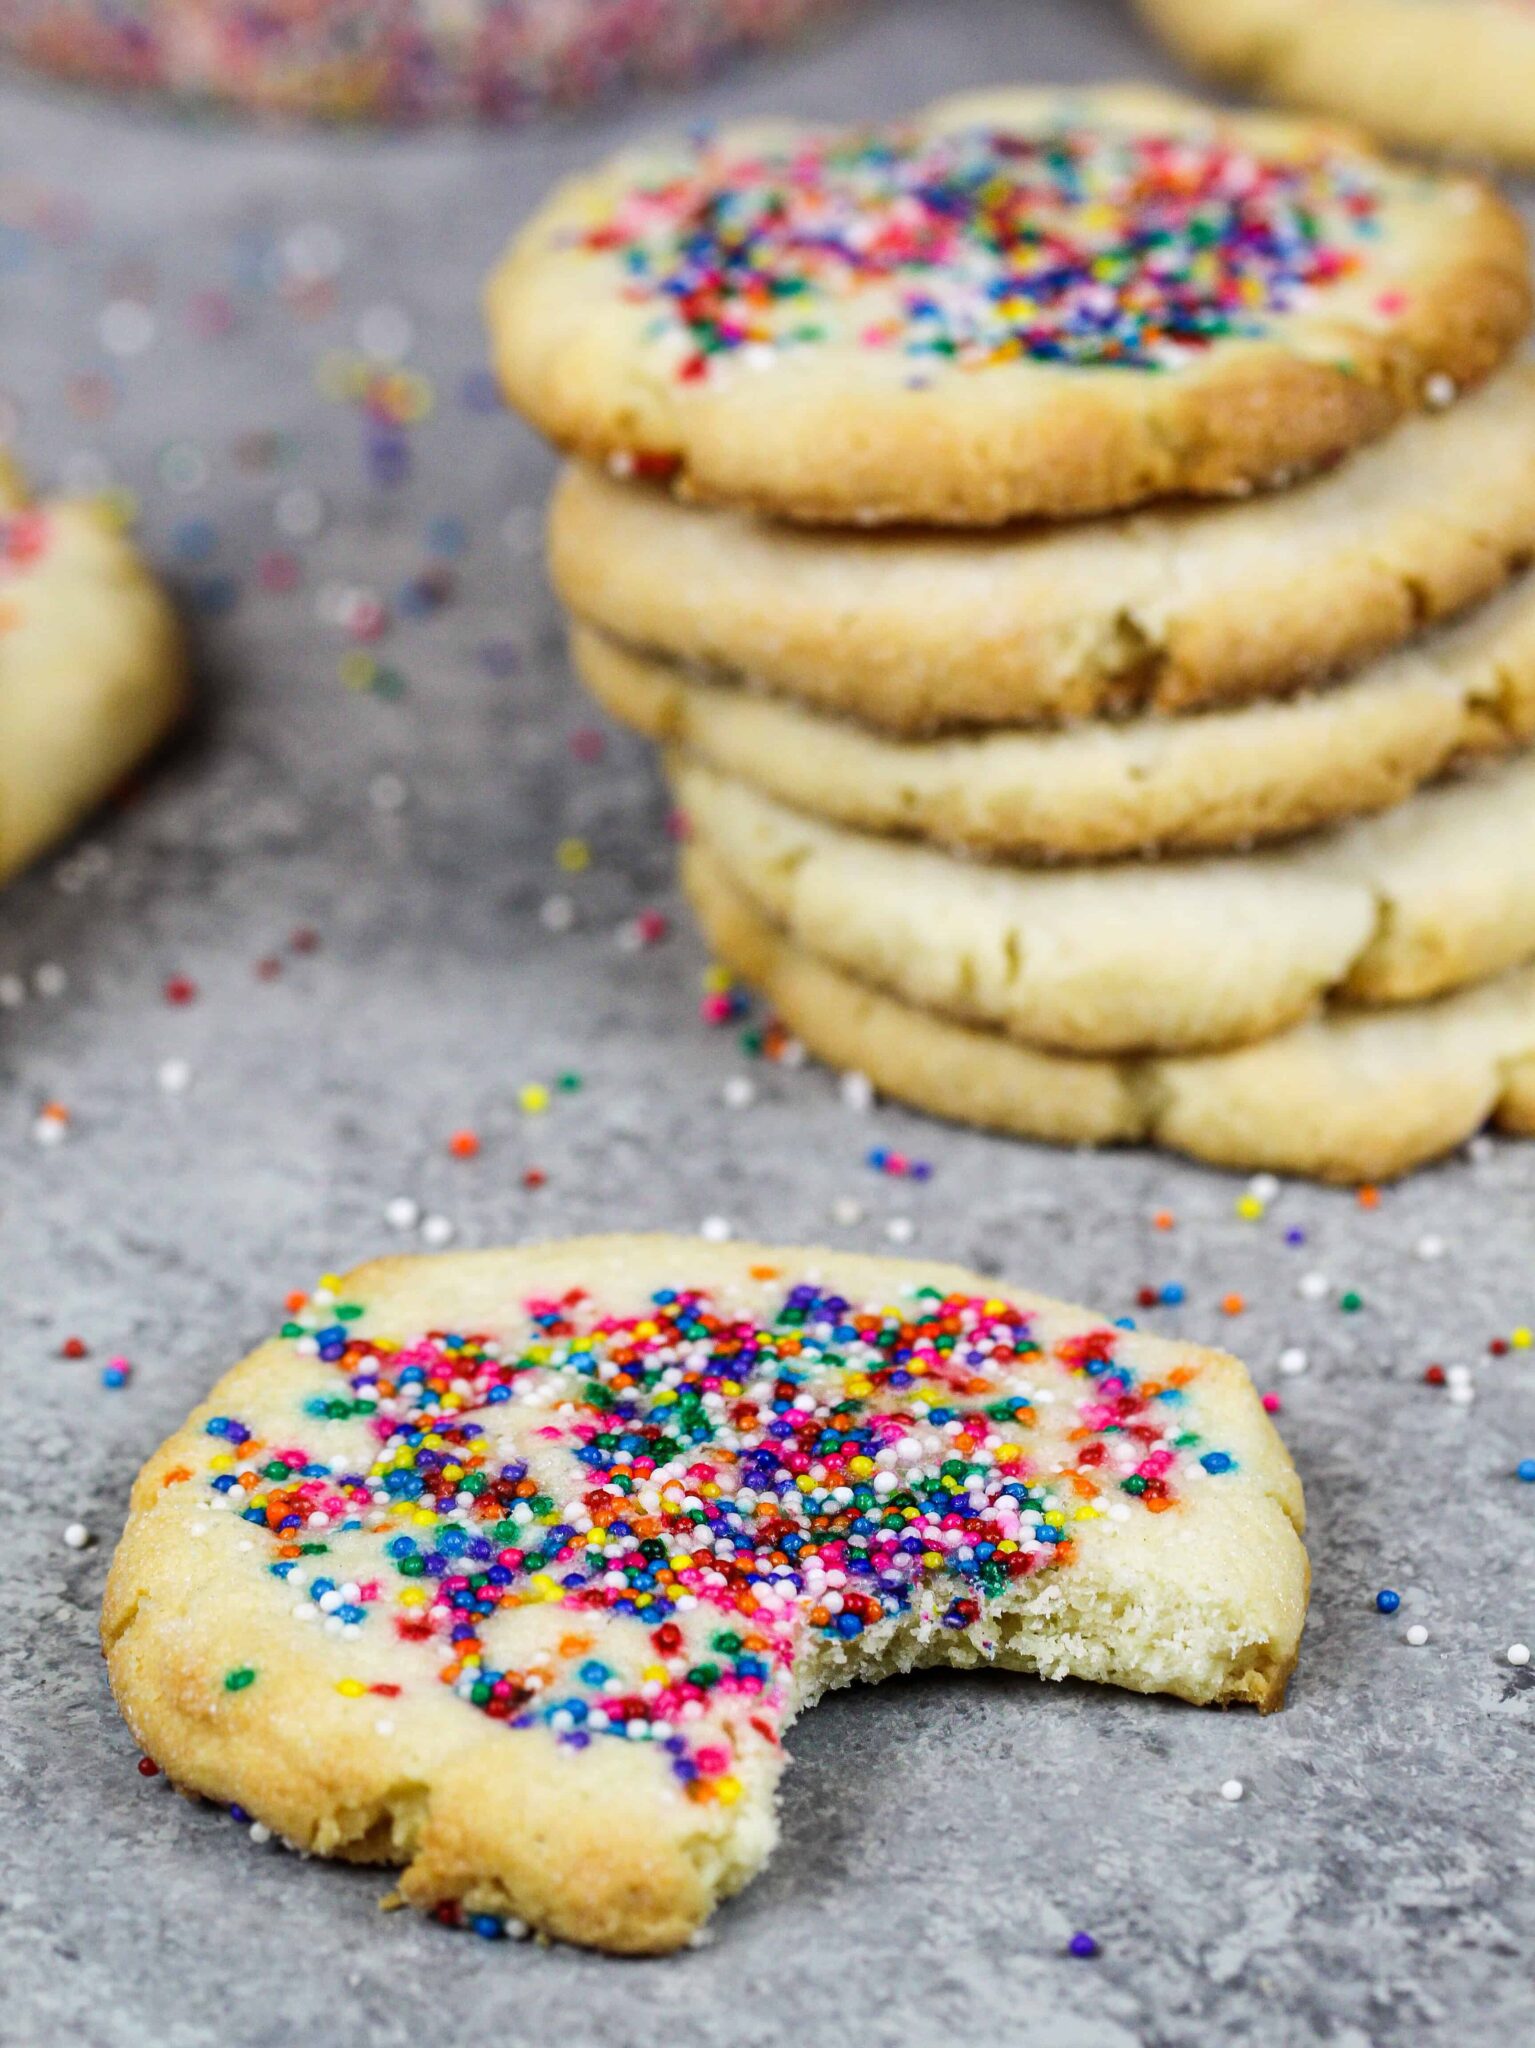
(1017, 303)
(514, 1567)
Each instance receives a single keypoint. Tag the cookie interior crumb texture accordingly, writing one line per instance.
(512, 1568)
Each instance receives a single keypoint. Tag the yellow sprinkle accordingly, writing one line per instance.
(120, 506)
(861, 1467)
(727, 1790)
(573, 855)
(718, 981)
(1249, 1208)
(1520, 1338)
(534, 1099)
(350, 1688)
(357, 670)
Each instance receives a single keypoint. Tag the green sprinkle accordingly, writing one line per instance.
(238, 1679)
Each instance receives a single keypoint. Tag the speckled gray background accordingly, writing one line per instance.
(941, 1838)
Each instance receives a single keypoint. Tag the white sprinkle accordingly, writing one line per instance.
(298, 512)
(1232, 1790)
(1263, 1187)
(1439, 391)
(1518, 1653)
(557, 914)
(1430, 1247)
(76, 1536)
(715, 1229)
(402, 1213)
(1417, 1635)
(1293, 1359)
(174, 1077)
(900, 1230)
(260, 1832)
(437, 1231)
(125, 328)
(49, 1129)
(856, 1090)
(50, 979)
(387, 793)
(1480, 1150)
(385, 333)
(847, 1210)
(383, 1727)
(739, 1092)
(1312, 1286)
(314, 249)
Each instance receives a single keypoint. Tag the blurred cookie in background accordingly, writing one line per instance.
(93, 665)
(1453, 75)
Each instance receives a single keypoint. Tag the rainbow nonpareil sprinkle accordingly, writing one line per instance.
(695, 1495)
(1079, 244)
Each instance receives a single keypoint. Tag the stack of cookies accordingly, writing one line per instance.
(1066, 544)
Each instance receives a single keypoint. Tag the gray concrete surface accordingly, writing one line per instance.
(943, 1838)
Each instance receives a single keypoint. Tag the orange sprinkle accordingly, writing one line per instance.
(1368, 1197)
(294, 1302)
(464, 1144)
(1233, 1304)
(175, 1476)
(1164, 1219)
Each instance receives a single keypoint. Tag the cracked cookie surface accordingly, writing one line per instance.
(1165, 610)
(1150, 956)
(1349, 1095)
(1190, 783)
